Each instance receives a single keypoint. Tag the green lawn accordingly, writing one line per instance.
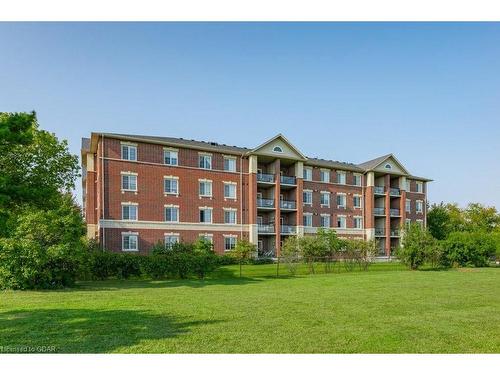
(385, 310)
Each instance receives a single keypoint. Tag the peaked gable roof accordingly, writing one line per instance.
(276, 139)
(374, 163)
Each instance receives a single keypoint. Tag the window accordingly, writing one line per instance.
(420, 222)
(129, 182)
(171, 214)
(229, 242)
(407, 222)
(205, 215)
(325, 175)
(420, 207)
(171, 185)
(341, 200)
(358, 222)
(229, 164)
(130, 242)
(341, 177)
(308, 220)
(325, 199)
(408, 205)
(206, 237)
(129, 152)
(205, 188)
(129, 212)
(420, 187)
(408, 185)
(205, 161)
(171, 157)
(170, 240)
(308, 174)
(229, 190)
(341, 222)
(357, 179)
(230, 216)
(356, 201)
(325, 221)
(388, 166)
(277, 149)
(308, 197)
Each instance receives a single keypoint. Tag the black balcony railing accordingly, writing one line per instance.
(288, 205)
(379, 211)
(266, 203)
(379, 189)
(379, 231)
(394, 212)
(287, 180)
(265, 177)
(288, 229)
(394, 191)
(266, 228)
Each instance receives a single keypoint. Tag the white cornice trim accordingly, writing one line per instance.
(123, 224)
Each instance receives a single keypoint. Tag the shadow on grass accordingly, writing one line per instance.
(86, 330)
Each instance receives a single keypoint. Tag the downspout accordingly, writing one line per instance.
(241, 196)
(102, 195)
(363, 192)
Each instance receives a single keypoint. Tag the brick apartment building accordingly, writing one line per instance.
(138, 190)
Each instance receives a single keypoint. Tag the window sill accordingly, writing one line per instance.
(130, 250)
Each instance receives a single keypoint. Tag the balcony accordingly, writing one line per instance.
(287, 180)
(288, 205)
(394, 212)
(288, 229)
(379, 211)
(379, 190)
(266, 228)
(395, 192)
(265, 203)
(395, 233)
(379, 231)
(265, 177)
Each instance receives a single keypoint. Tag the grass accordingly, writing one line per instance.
(385, 310)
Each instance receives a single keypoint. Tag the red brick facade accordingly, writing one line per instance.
(264, 225)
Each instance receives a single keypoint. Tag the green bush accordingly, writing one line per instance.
(418, 247)
(26, 264)
(106, 264)
(468, 249)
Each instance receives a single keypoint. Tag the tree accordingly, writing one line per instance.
(243, 251)
(468, 249)
(480, 218)
(418, 246)
(291, 252)
(36, 167)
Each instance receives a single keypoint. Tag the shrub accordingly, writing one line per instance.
(243, 251)
(468, 249)
(418, 246)
(106, 264)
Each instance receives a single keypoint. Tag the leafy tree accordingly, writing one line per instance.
(243, 251)
(291, 251)
(480, 218)
(468, 249)
(417, 246)
(333, 242)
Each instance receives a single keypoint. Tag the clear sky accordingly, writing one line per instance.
(427, 92)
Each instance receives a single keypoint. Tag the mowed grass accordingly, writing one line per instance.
(385, 310)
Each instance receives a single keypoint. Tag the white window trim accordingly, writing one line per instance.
(211, 160)
(129, 174)
(171, 178)
(235, 210)
(128, 144)
(329, 199)
(408, 206)
(130, 234)
(360, 200)
(354, 221)
(169, 149)
(345, 221)
(165, 213)
(211, 214)
(324, 170)
(204, 180)
(230, 157)
(421, 211)
(360, 179)
(345, 200)
(136, 211)
(421, 184)
(205, 235)
(345, 177)
(329, 220)
(309, 169)
(308, 214)
(308, 203)
(235, 184)
(234, 236)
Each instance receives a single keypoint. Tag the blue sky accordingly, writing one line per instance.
(427, 92)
